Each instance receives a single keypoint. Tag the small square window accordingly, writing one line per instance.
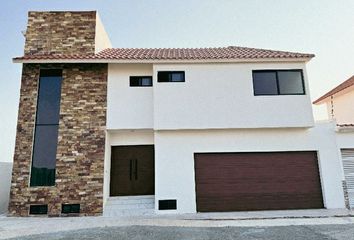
(38, 209)
(170, 204)
(143, 81)
(171, 76)
(265, 83)
(70, 208)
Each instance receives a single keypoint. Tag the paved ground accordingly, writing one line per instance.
(272, 225)
(337, 232)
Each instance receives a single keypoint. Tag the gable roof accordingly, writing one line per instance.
(170, 54)
(346, 84)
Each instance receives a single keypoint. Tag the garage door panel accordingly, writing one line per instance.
(257, 181)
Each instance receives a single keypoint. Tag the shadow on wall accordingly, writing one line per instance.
(5, 183)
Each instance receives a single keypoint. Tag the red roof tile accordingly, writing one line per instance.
(339, 88)
(232, 52)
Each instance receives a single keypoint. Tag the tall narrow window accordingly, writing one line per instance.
(46, 128)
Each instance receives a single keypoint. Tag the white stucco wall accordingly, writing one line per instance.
(5, 183)
(221, 96)
(102, 40)
(129, 107)
(175, 149)
(343, 108)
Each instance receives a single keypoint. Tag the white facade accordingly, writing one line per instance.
(214, 110)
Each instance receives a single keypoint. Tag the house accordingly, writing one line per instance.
(340, 109)
(113, 131)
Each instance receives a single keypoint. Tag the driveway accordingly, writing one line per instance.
(343, 231)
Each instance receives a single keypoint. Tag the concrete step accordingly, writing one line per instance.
(130, 206)
(128, 212)
(131, 200)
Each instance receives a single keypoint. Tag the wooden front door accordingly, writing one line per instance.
(132, 170)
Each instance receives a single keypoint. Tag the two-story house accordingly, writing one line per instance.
(169, 130)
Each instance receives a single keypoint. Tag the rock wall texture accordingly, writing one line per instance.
(60, 33)
(80, 151)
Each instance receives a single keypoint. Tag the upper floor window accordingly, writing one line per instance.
(170, 76)
(278, 82)
(140, 81)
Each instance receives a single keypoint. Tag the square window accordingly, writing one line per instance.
(38, 209)
(290, 82)
(70, 208)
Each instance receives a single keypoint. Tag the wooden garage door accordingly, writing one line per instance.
(257, 181)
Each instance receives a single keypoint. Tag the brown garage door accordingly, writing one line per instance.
(257, 181)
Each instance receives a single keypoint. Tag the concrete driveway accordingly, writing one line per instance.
(339, 232)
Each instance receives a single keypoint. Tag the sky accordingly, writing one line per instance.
(322, 27)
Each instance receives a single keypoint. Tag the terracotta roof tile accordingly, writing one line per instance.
(232, 52)
(339, 88)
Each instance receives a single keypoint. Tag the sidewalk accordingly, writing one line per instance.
(16, 227)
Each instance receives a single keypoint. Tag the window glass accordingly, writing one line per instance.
(48, 105)
(290, 82)
(265, 83)
(44, 155)
(146, 81)
(177, 77)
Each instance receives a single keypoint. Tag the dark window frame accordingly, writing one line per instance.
(170, 76)
(43, 72)
(276, 71)
(140, 77)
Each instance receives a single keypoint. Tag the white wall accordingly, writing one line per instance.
(221, 96)
(101, 37)
(174, 159)
(5, 184)
(129, 107)
(343, 108)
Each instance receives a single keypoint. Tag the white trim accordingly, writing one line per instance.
(246, 60)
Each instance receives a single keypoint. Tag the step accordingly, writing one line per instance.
(128, 212)
(131, 200)
(129, 206)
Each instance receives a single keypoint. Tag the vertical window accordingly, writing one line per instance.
(145, 81)
(46, 128)
(278, 82)
(171, 76)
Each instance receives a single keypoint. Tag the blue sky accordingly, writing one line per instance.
(323, 27)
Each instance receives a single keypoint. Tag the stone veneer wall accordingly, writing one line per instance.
(80, 152)
(60, 33)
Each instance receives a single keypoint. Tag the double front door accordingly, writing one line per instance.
(132, 170)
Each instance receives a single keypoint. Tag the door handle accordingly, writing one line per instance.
(130, 169)
(136, 169)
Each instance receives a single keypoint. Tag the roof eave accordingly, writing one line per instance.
(246, 60)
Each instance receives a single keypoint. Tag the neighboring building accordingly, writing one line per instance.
(340, 103)
(139, 131)
(5, 182)
(340, 108)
